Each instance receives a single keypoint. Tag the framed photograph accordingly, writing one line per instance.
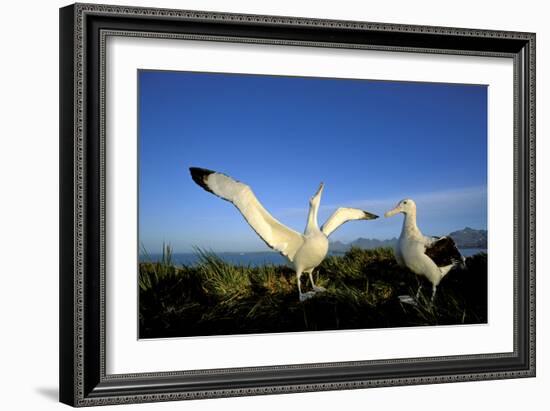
(377, 226)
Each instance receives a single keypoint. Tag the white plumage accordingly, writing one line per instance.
(304, 251)
(431, 257)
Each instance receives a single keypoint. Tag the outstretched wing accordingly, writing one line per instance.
(276, 235)
(443, 251)
(343, 215)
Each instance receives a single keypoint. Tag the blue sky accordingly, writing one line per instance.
(371, 142)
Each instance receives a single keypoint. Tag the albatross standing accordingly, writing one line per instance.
(304, 251)
(431, 257)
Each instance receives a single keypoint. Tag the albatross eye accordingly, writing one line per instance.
(404, 202)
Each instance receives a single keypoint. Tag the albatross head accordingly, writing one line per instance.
(406, 206)
(316, 199)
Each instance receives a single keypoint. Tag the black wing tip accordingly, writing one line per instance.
(370, 216)
(199, 176)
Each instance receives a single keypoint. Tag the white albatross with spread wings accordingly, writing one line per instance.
(431, 257)
(304, 251)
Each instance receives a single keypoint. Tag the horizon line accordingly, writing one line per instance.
(145, 252)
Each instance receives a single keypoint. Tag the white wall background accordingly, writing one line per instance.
(29, 204)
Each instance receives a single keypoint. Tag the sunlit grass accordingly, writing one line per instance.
(362, 291)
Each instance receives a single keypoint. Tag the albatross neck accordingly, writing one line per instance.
(312, 219)
(409, 223)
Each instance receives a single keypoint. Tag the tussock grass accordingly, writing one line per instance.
(214, 297)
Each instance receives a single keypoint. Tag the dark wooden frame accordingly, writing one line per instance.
(83, 29)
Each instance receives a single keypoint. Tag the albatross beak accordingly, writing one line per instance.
(320, 190)
(392, 212)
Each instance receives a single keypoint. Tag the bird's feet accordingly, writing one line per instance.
(319, 289)
(306, 296)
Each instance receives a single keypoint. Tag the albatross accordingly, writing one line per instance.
(431, 257)
(304, 251)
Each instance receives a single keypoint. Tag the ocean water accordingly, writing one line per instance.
(468, 252)
(255, 259)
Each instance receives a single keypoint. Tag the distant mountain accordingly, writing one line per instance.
(466, 238)
(470, 238)
(338, 247)
(366, 243)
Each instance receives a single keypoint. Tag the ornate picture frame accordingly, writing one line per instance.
(84, 30)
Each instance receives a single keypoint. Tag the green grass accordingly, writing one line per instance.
(214, 297)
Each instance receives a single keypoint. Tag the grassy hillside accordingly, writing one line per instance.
(216, 298)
